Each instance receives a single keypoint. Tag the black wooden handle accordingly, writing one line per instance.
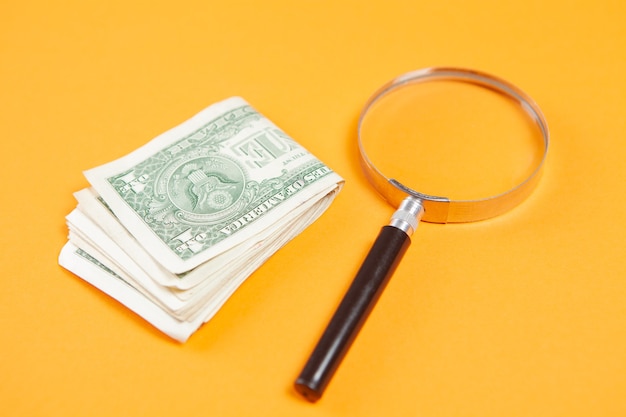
(354, 309)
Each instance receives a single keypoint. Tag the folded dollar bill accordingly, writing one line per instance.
(172, 229)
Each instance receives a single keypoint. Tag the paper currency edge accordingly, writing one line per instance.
(105, 280)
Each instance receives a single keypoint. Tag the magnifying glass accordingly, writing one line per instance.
(455, 148)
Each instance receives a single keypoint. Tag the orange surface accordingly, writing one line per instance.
(523, 315)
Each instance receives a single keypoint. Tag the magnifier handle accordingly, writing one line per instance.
(357, 303)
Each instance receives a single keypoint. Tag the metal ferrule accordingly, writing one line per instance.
(408, 215)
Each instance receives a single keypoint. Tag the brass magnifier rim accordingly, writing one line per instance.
(442, 209)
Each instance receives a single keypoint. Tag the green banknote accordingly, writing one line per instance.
(210, 183)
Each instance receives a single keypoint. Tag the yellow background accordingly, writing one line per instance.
(523, 315)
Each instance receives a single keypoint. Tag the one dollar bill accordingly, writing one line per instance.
(209, 184)
(174, 228)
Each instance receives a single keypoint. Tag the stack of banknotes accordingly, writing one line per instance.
(172, 229)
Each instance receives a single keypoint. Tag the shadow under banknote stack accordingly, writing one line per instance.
(172, 229)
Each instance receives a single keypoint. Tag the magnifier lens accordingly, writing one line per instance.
(452, 139)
